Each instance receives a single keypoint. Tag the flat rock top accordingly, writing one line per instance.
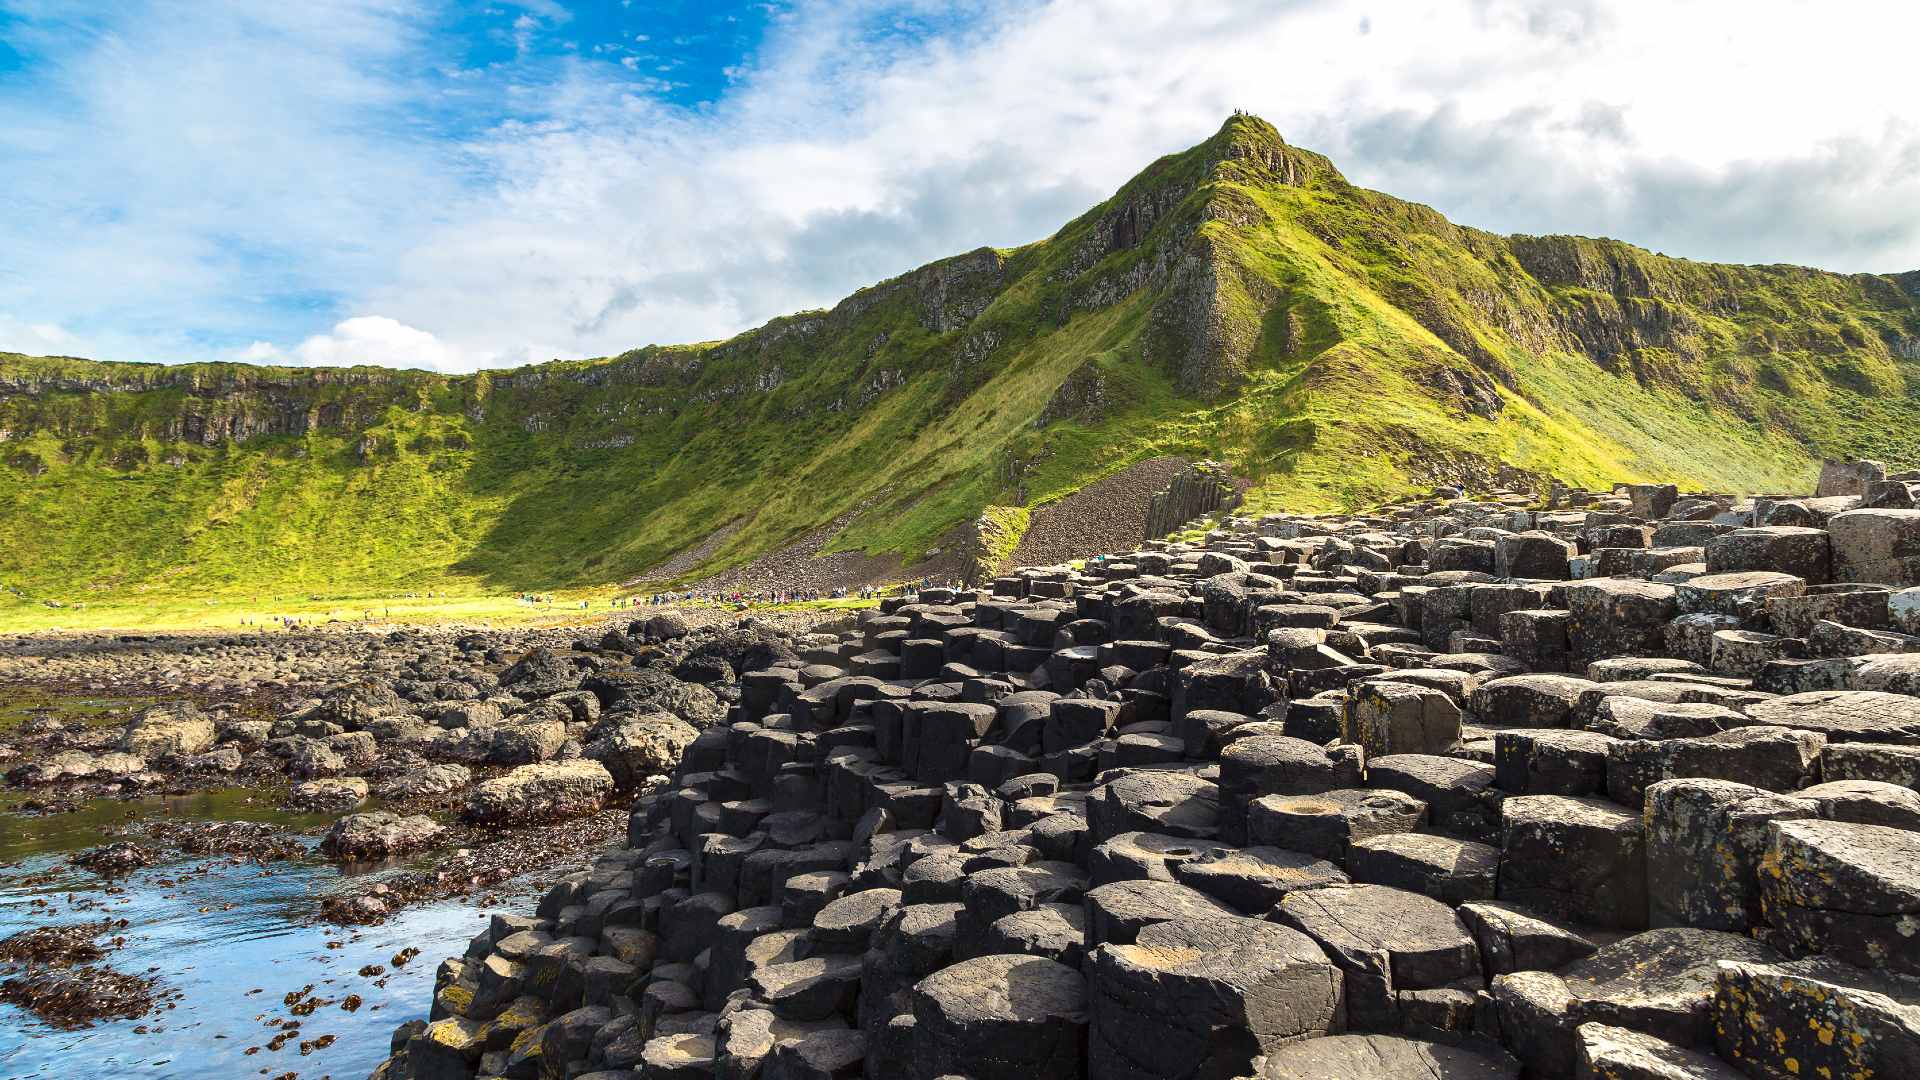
(1852, 715)
(1569, 810)
(1385, 1057)
(1368, 917)
(1864, 869)
(1219, 944)
(1665, 964)
(1007, 988)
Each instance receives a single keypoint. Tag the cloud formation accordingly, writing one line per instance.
(217, 174)
(369, 339)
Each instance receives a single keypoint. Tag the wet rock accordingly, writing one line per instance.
(328, 796)
(650, 690)
(379, 835)
(540, 673)
(227, 759)
(527, 743)
(426, 782)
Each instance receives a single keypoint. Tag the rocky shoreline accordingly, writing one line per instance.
(468, 758)
(1621, 786)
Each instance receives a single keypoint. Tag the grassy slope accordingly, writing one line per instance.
(1239, 301)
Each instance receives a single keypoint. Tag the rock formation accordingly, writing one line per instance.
(1462, 788)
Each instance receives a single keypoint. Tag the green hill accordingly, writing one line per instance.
(1240, 301)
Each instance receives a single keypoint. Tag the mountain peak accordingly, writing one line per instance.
(1247, 138)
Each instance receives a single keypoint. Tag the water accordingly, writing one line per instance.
(230, 939)
(16, 707)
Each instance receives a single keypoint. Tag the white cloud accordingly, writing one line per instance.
(841, 158)
(372, 339)
(20, 335)
(218, 165)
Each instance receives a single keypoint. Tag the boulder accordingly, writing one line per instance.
(634, 748)
(1324, 825)
(426, 782)
(1513, 938)
(378, 835)
(545, 792)
(1798, 551)
(1533, 701)
(328, 796)
(172, 728)
(650, 690)
(1855, 716)
(1705, 840)
(1605, 1052)
(1773, 758)
(1400, 718)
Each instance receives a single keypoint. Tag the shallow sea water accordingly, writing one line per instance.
(229, 940)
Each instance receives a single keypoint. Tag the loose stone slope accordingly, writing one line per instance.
(1465, 788)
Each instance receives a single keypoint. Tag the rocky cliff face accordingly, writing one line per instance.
(1240, 302)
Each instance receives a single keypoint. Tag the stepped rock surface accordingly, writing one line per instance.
(1295, 796)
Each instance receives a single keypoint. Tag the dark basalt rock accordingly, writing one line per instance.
(1306, 797)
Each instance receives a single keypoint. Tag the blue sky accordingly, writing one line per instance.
(446, 184)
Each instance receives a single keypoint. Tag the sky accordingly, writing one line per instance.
(456, 185)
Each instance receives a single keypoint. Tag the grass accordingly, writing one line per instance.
(1239, 301)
